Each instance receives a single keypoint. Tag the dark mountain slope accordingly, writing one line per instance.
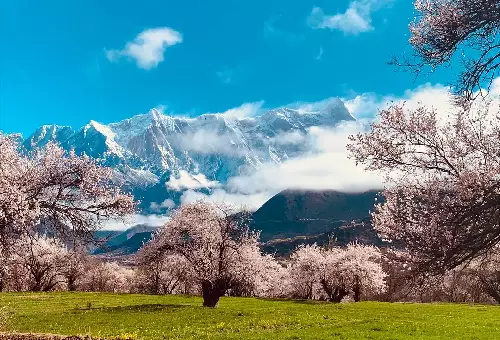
(293, 213)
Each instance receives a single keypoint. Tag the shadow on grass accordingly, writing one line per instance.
(140, 308)
(299, 301)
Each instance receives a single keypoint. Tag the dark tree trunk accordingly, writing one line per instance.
(71, 284)
(492, 286)
(335, 294)
(3, 280)
(357, 291)
(212, 292)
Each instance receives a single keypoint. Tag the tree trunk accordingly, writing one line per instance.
(335, 294)
(71, 284)
(212, 292)
(357, 290)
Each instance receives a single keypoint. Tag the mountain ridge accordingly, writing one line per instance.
(149, 149)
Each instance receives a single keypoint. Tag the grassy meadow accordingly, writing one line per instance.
(180, 317)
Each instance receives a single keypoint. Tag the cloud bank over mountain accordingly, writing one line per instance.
(242, 156)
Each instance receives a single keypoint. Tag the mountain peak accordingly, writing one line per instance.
(155, 114)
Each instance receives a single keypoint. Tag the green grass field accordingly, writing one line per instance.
(179, 317)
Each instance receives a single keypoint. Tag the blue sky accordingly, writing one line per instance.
(67, 62)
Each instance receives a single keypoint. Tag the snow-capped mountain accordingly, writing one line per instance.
(148, 149)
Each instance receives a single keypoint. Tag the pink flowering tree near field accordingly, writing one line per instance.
(305, 269)
(102, 276)
(162, 273)
(444, 27)
(356, 269)
(36, 264)
(336, 272)
(443, 175)
(74, 266)
(60, 192)
(216, 244)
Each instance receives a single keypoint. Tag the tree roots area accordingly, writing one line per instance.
(132, 316)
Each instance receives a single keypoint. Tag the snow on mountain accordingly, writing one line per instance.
(150, 149)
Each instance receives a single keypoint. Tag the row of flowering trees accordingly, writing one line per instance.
(41, 263)
(208, 250)
(211, 247)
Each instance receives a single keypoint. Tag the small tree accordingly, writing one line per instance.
(214, 240)
(336, 272)
(101, 276)
(161, 273)
(39, 259)
(356, 269)
(305, 268)
(73, 267)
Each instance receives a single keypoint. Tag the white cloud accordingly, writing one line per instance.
(225, 76)
(148, 48)
(367, 105)
(158, 207)
(287, 138)
(319, 56)
(324, 167)
(245, 110)
(189, 181)
(250, 202)
(208, 142)
(356, 19)
(132, 220)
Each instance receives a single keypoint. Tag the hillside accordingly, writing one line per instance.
(293, 213)
(288, 219)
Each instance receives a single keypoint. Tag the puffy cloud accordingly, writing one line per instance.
(148, 47)
(249, 202)
(209, 142)
(158, 207)
(287, 138)
(356, 19)
(245, 110)
(189, 181)
(324, 167)
(132, 220)
(367, 105)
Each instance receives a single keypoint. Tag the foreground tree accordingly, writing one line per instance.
(215, 243)
(443, 173)
(57, 192)
(444, 27)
